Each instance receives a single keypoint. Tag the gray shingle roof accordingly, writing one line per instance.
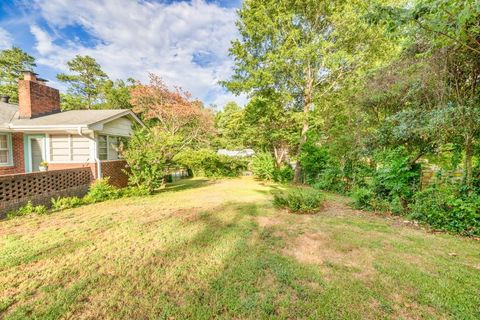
(71, 118)
(7, 113)
(9, 116)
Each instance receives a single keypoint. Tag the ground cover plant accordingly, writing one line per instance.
(219, 249)
(299, 200)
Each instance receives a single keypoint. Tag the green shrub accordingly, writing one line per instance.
(283, 175)
(263, 166)
(299, 200)
(313, 159)
(66, 203)
(397, 179)
(135, 191)
(207, 163)
(101, 190)
(446, 208)
(362, 198)
(331, 179)
(27, 209)
(146, 158)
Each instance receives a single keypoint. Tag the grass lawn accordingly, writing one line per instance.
(218, 249)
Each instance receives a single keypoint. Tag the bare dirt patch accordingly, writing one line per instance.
(317, 248)
(339, 209)
(268, 222)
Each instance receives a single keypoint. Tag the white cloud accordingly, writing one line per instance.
(5, 39)
(135, 38)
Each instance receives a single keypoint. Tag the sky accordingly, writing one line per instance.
(184, 42)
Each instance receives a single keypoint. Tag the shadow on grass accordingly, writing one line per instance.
(186, 184)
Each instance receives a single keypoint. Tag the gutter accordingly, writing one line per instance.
(97, 160)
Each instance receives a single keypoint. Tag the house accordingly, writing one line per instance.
(245, 153)
(37, 131)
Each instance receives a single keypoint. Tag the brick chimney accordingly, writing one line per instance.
(35, 98)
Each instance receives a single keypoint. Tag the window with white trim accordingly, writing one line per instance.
(102, 147)
(4, 149)
(110, 147)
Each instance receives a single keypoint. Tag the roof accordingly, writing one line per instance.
(7, 113)
(236, 153)
(66, 119)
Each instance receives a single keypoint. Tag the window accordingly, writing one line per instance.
(110, 147)
(102, 148)
(69, 148)
(4, 149)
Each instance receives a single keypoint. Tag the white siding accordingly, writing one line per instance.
(80, 149)
(69, 148)
(59, 148)
(118, 127)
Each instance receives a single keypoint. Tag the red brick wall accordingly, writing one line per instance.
(63, 166)
(35, 99)
(114, 170)
(18, 157)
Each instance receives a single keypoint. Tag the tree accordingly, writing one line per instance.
(230, 127)
(173, 112)
(86, 82)
(116, 94)
(271, 127)
(12, 62)
(301, 50)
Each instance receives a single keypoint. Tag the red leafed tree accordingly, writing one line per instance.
(173, 112)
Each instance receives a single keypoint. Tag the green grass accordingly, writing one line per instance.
(218, 249)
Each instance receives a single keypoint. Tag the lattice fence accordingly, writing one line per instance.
(40, 187)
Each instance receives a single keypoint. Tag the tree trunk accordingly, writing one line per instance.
(298, 178)
(279, 156)
(468, 160)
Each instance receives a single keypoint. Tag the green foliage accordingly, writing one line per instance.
(332, 179)
(27, 209)
(146, 157)
(396, 179)
(283, 174)
(299, 200)
(445, 207)
(12, 62)
(263, 166)
(230, 127)
(66, 203)
(86, 82)
(135, 191)
(362, 198)
(101, 190)
(314, 160)
(207, 163)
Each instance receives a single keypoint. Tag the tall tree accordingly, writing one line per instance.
(173, 113)
(86, 81)
(230, 126)
(12, 62)
(301, 49)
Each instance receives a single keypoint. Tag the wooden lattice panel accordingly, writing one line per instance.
(17, 187)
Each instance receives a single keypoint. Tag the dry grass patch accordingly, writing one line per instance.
(204, 250)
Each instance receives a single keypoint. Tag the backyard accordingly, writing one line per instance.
(219, 249)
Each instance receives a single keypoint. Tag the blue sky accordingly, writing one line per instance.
(185, 42)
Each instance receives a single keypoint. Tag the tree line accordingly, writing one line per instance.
(88, 86)
(361, 95)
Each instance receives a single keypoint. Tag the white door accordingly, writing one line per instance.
(37, 152)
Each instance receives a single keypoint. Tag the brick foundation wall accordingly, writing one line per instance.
(18, 158)
(40, 187)
(114, 170)
(63, 166)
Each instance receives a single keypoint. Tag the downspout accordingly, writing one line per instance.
(97, 161)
